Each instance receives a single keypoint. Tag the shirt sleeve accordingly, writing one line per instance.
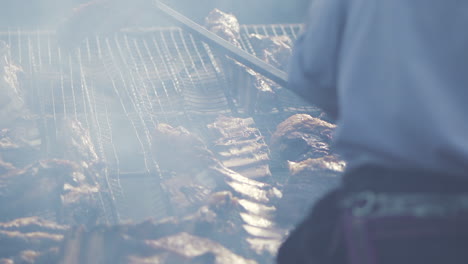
(313, 66)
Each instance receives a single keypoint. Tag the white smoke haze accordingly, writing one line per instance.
(49, 13)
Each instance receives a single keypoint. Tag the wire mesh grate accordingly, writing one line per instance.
(120, 87)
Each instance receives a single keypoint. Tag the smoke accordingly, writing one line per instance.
(49, 13)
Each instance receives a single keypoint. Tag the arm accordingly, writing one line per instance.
(313, 67)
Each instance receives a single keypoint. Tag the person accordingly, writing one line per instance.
(393, 74)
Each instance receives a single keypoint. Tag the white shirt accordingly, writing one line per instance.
(395, 74)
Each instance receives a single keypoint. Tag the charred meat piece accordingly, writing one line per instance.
(74, 143)
(197, 170)
(30, 240)
(45, 186)
(186, 156)
(274, 50)
(35, 257)
(149, 242)
(303, 141)
(309, 180)
(327, 163)
(224, 25)
(20, 144)
(12, 104)
(34, 189)
(19, 136)
(301, 137)
(245, 202)
(241, 147)
(6, 167)
(253, 91)
(179, 150)
(79, 205)
(32, 225)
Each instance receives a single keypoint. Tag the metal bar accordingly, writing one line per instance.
(164, 62)
(72, 85)
(153, 87)
(155, 90)
(20, 55)
(136, 175)
(49, 50)
(62, 80)
(236, 53)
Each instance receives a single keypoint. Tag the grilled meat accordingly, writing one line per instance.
(245, 202)
(303, 141)
(34, 189)
(5, 167)
(149, 242)
(20, 144)
(185, 154)
(74, 143)
(274, 50)
(241, 147)
(30, 240)
(253, 91)
(46, 186)
(308, 181)
(301, 137)
(179, 150)
(12, 105)
(224, 25)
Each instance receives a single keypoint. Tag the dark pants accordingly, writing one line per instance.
(322, 237)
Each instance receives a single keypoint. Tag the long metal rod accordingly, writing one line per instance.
(269, 71)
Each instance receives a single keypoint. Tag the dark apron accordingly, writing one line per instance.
(381, 216)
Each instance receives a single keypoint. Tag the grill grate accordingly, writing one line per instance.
(121, 86)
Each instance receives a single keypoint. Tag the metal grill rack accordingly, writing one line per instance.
(120, 87)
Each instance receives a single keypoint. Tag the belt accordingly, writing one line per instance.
(389, 180)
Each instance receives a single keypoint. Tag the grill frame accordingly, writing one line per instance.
(151, 75)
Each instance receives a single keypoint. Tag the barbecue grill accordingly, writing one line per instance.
(121, 86)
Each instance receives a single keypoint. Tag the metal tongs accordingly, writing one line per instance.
(256, 64)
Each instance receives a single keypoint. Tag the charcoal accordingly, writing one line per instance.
(302, 136)
(241, 147)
